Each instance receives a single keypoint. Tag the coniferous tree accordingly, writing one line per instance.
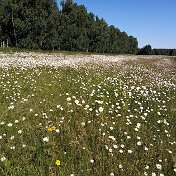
(146, 50)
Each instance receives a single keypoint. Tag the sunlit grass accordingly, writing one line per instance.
(96, 120)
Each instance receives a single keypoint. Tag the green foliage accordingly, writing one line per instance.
(147, 50)
(168, 52)
(40, 25)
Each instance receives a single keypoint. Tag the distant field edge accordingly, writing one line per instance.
(14, 50)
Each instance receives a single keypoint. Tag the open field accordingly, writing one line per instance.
(77, 115)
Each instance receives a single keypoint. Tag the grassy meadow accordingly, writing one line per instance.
(117, 119)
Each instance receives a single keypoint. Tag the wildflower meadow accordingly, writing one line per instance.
(78, 115)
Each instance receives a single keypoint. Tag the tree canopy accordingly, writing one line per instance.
(147, 50)
(40, 24)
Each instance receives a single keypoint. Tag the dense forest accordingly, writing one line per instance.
(40, 24)
(147, 50)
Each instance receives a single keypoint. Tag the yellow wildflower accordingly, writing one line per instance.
(53, 128)
(50, 129)
(57, 162)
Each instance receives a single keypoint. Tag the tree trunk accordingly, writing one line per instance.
(7, 43)
(14, 31)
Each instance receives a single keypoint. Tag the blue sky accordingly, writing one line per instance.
(150, 21)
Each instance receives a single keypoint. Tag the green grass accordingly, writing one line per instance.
(13, 50)
(19, 50)
(138, 101)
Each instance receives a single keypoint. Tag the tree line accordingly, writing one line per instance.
(40, 24)
(147, 50)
